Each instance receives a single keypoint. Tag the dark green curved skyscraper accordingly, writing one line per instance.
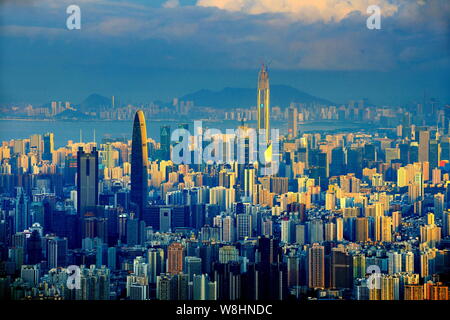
(139, 163)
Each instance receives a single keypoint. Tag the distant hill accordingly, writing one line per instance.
(94, 102)
(280, 95)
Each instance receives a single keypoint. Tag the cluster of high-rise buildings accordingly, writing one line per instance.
(353, 215)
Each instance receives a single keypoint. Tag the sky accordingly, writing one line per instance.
(145, 50)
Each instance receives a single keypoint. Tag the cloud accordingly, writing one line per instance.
(171, 4)
(305, 10)
(238, 34)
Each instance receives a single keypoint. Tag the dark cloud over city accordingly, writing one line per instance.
(170, 46)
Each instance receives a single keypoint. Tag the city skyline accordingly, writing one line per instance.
(184, 46)
(232, 157)
(346, 215)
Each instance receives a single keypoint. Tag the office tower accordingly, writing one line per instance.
(362, 229)
(175, 257)
(268, 251)
(267, 228)
(49, 146)
(112, 258)
(370, 152)
(137, 291)
(330, 231)
(293, 265)
(408, 262)
(434, 153)
(315, 230)
(22, 212)
(287, 230)
(139, 164)
(396, 220)
(430, 234)
(413, 152)
(228, 229)
(445, 148)
(156, 264)
(166, 287)
(339, 229)
(292, 122)
(165, 219)
(341, 269)
(316, 266)
(192, 266)
(386, 229)
(30, 274)
(436, 176)
(202, 288)
(87, 180)
(338, 162)
(424, 145)
(133, 231)
(404, 153)
(391, 154)
(439, 205)
(57, 252)
(354, 161)
(394, 262)
(34, 248)
(249, 183)
(228, 277)
(330, 201)
(359, 266)
(243, 226)
(263, 101)
(446, 224)
(36, 145)
(300, 234)
(228, 253)
(164, 134)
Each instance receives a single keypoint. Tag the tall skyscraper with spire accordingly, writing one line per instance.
(139, 163)
(263, 101)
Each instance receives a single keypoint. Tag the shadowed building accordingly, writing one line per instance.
(139, 163)
(87, 180)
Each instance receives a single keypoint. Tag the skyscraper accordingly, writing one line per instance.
(263, 101)
(49, 146)
(424, 145)
(175, 253)
(316, 261)
(87, 179)
(36, 144)
(292, 121)
(22, 213)
(164, 134)
(57, 252)
(139, 163)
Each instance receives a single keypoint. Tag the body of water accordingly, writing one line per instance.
(70, 130)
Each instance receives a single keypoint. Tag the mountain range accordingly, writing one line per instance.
(280, 95)
(227, 98)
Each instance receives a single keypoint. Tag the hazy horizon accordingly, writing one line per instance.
(144, 52)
